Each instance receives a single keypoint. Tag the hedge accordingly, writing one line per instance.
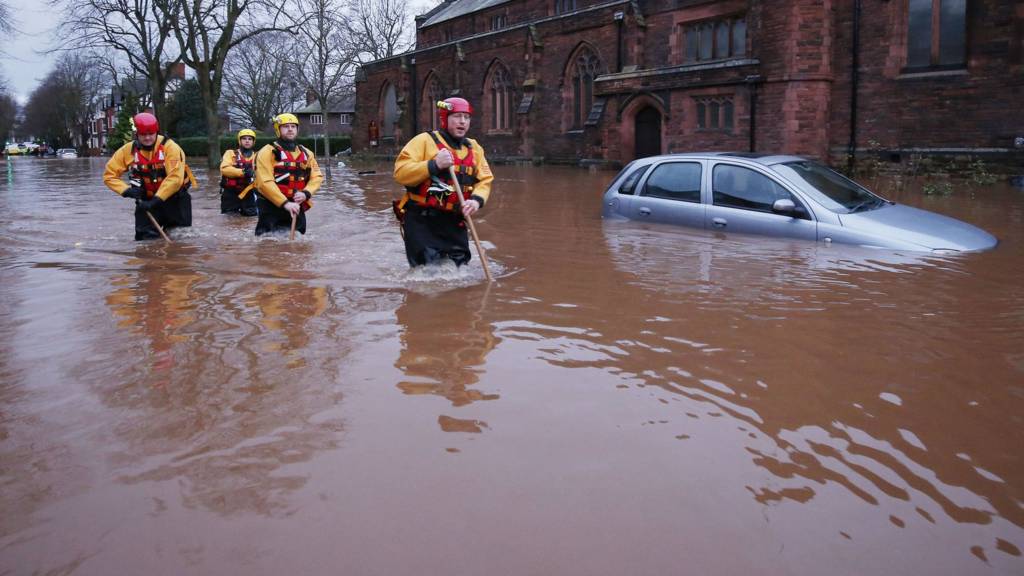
(196, 145)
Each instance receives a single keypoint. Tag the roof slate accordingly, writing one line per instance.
(346, 104)
(459, 8)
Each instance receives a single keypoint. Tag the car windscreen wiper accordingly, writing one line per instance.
(866, 204)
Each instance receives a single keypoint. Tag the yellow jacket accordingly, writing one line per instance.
(412, 164)
(227, 166)
(174, 164)
(265, 183)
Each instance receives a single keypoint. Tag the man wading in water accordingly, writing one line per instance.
(287, 175)
(433, 228)
(159, 178)
(236, 175)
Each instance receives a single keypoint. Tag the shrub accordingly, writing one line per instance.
(196, 145)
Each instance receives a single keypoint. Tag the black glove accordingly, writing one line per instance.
(248, 172)
(135, 192)
(153, 202)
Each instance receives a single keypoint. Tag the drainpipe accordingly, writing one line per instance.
(851, 150)
(752, 82)
(619, 16)
(414, 103)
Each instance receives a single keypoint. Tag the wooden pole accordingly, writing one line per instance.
(158, 227)
(472, 229)
(294, 219)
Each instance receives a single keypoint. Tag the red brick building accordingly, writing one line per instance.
(581, 80)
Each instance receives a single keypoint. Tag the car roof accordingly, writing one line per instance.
(758, 157)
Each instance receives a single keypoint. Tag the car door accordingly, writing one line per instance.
(619, 199)
(742, 200)
(671, 194)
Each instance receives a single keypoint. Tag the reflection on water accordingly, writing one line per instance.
(632, 395)
(445, 341)
(285, 308)
(206, 405)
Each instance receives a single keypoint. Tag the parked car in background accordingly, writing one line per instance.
(12, 150)
(776, 195)
(67, 153)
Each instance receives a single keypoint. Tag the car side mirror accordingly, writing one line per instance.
(784, 206)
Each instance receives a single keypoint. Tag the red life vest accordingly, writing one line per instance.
(291, 171)
(241, 162)
(148, 172)
(465, 171)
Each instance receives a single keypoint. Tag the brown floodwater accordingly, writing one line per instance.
(625, 399)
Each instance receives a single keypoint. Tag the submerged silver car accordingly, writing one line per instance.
(785, 196)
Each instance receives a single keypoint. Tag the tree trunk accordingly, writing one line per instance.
(327, 138)
(157, 88)
(212, 119)
(212, 134)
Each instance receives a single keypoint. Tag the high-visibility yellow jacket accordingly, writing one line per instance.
(266, 160)
(412, 166)
(177, 170)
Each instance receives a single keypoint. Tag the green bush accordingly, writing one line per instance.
(122, 131)
(196, 145)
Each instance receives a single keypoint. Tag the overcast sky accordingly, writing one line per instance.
(24, 67)
(20, 64)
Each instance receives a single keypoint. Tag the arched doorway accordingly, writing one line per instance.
(390, 112)
(647, 141)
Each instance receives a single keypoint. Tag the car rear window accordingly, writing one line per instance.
(629, 184)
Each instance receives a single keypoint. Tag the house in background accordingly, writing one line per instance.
(105, 114)
(576, 81)
(314, 122)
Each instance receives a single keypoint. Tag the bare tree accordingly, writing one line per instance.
(207, 31)
(8, 115)
(7, 23)
(87, 80)
(60, 108)
(323, 58)
(135, 29)
(378, 28)
(259, 83)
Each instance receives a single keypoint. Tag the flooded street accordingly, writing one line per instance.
(625, 399)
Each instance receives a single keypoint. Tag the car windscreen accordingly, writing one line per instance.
(830, 188)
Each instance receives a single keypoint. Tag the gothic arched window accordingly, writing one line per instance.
(500, 95)
(585, 68)
(389, 111)
(431, 95)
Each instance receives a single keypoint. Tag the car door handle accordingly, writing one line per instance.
(644, 211)
(719, 222)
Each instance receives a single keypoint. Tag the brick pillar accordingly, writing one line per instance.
(808, 77)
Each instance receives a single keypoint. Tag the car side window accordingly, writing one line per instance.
(675, 181)
(629, 184)
(739, 187)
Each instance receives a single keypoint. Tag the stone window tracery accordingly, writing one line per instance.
(585, 68)
(715, 39)
(431, 95)
(500, 97)
(715, 113)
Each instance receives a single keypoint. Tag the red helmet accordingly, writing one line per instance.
(451, 106)
(145, 123)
